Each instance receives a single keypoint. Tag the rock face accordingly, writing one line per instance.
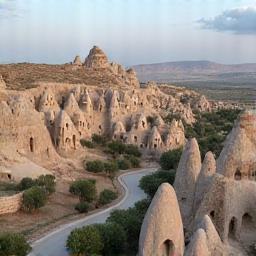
(205, 178)
(96, 59)
(186, 178)
(198, 245)
(162, 230)
(77, 61)
(2, 83)
(238, 157)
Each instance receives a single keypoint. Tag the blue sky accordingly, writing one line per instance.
(129, 31)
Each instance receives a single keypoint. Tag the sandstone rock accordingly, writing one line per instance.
(238, 157)
(154, 139)
(162, 230)
(198, 245)
(204, 179)
(186, 178)
(77, 61)
(2, 83)
(214, 243)
(132, 78)
(96, 59)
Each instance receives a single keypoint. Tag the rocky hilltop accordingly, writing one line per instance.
(58, 105)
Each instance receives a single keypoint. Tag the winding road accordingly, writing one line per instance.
(53, 244)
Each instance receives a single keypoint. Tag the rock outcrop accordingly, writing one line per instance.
(77, 61)
(186, 178)
(2, 83)
(96, 59)
(162, 230)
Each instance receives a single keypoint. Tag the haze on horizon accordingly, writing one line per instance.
(129, 31)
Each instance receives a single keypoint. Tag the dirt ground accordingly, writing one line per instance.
(59, 208)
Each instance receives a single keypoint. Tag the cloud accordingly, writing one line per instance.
(8, 9)
(239, 21)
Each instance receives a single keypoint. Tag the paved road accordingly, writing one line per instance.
(53, 244)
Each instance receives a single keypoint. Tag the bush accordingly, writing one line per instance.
(85, 189)
(111, 168)
(99, 139)
(113, 237)
(107, 196)
(124, 164)
(82, 207)
(130, 220)
(132, 150)
(169, 160)
(87, 143)
(134, 161)
(116, 147)
(33, 199)
(150, 183)
(26, 183)
(13, 244)
(47, 182)
(85, 241)
(95, 166)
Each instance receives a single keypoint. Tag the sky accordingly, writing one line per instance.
(129, 31)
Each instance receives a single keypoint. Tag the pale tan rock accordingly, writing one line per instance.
(77, 61)
(162, 230)
(205, 177)
(185, 180)
(154, 139)
(198, 245)
(2, 83)
(96, 59)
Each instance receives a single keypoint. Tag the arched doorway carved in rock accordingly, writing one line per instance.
(168, 248)
(31, 144)
(232, 228)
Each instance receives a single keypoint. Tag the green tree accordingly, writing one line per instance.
(107, 196)
(116, 147)
(82, 207)
(95, 166)
(85, 189)
(47, 182)
(33, 199)
(26, 183)
(99, 139)
(111, 168)
(133, 150)
(124, 164)
(170, 159)
(134, 161)
(113, 237)
(150, 183)
(86, 143)
(85, 241)
(13, 244)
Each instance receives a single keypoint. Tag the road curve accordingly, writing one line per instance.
(53, 244)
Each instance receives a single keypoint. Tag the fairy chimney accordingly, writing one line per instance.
(186, 178)
(2, 83)
(162, 230)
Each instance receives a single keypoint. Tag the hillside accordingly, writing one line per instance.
(213, 79)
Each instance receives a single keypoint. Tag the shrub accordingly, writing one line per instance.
(26, 183)
(170, 159)
(33, 199)
(85, 189)
(134, 161)
(113, 237)
(95, 166)
(132, 150)
(82, 207)
(85, 241)
(47, 182)
(99, 139)
(116, 147)
(13, 244)
(107, 196)
(87, 143)
(150, 183)
(124, 164)
(111, 168)
(130, 220)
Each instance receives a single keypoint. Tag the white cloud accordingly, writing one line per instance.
(240, 20)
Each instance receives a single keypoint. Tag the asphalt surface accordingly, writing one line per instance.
(54, 243)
